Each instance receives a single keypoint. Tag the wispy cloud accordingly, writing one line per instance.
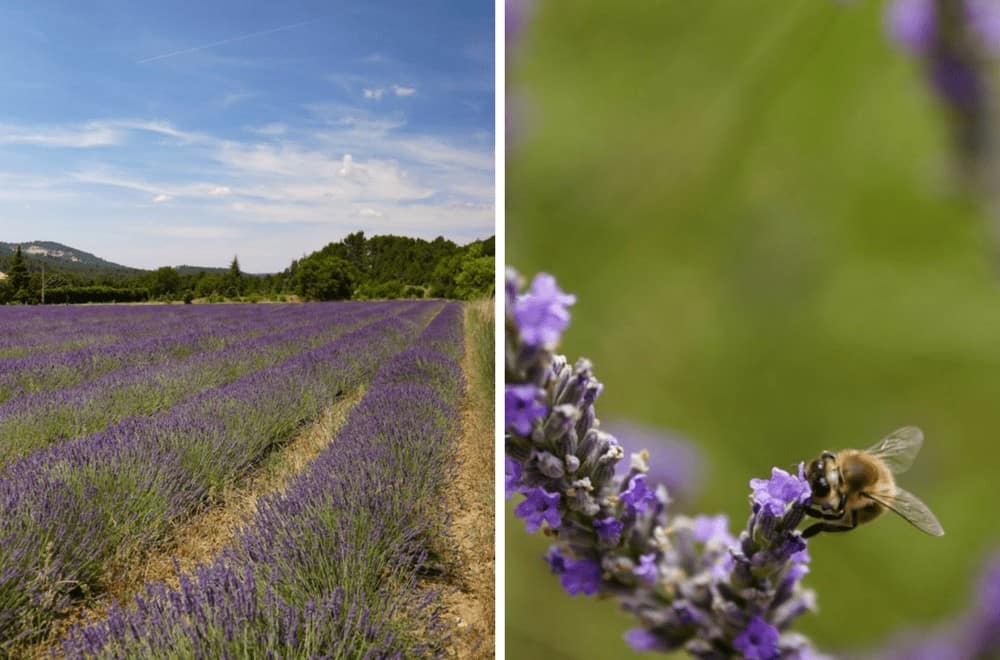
(93, 134)
(376, 93)
(222, 42)
(151, 126)
(162, 192)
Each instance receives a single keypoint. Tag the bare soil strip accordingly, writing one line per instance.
(469, 605)
(202, 536)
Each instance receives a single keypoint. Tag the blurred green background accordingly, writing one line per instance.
(754, 203)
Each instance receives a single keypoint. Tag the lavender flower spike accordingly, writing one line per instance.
(955, 40)
(541, 313)
(689, 583)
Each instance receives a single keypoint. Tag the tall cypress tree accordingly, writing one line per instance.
(18, 271)
(234, 279)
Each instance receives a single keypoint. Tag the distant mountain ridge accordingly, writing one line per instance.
(61, 255)
(72, 259)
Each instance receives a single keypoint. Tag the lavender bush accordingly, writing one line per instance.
(43, 418)
(689, 583)
(328, 568)
(125, 340)
(68, 512)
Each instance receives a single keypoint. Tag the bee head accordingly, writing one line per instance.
(822, 475)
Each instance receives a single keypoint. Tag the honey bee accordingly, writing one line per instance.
(853, 487)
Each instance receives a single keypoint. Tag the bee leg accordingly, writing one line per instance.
(842, 526)
(816, 528)
(825, 515)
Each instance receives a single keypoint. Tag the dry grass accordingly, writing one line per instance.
(469, 606)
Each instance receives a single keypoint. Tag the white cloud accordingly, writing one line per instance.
(93, 134)
(356, 169)
(348, 165)
(376, 93)
(102, 177)
(437, 153)
(152, 126)
(161, 192)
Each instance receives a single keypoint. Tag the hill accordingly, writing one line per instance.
(62, 256)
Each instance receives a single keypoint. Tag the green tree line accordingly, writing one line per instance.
(356, 267)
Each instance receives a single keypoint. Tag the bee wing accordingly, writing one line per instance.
(911, 509)
(898, 449)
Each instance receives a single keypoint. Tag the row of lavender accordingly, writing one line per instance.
(41, 419)
(328, 568)
(32, 329)
(73, 512)
(128, 339)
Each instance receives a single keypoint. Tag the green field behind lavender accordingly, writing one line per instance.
(753, 203)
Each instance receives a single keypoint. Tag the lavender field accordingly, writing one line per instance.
(119, 425)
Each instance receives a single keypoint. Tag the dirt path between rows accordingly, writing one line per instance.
(469, 606)
(203, 536)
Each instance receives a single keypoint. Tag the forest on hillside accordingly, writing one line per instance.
(354, 268)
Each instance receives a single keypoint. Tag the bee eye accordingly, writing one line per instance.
(820, 487)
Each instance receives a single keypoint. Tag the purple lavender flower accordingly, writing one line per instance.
(541, 313)
(539, 506)
(984, 17)
(521, 408)
(516, 13)
(912, 24)
(673, 461)
(780, 491)
(641, 639)
(956, 80)
(713, 529)
(759, 641)
(609, 529)
(581, 576)
(646, 570)
(512, 480)
(637, 496)
(556, 560)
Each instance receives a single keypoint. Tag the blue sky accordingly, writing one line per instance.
(161, 133)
